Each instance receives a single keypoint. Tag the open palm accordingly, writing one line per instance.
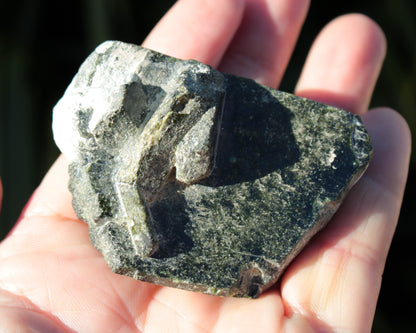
(53, 280)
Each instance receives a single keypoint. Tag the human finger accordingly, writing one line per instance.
(336, 280)
(344, 63)
(52, 197)
(197, 29)
(265, 40)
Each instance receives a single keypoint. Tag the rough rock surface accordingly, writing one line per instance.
(195, 179)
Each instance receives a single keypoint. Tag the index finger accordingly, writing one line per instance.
(197, 29)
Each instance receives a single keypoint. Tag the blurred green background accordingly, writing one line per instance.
(43, 42)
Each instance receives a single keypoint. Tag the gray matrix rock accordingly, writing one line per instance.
(195, 179)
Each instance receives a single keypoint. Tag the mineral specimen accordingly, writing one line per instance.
(195, 179)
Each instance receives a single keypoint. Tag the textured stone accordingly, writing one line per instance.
(195, 179)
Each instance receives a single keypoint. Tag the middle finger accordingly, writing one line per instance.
(265, 39)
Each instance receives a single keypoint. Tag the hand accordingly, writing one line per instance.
(53, 280)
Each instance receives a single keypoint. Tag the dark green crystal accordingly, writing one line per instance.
(201, 180)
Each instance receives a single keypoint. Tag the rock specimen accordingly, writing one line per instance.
(195, 179)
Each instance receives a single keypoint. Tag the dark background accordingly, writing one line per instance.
(43, 42)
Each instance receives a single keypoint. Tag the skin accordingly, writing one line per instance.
(53, 280)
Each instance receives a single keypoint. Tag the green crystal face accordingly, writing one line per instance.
(200, 180)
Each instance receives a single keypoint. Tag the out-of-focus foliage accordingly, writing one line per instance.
(42, 43)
